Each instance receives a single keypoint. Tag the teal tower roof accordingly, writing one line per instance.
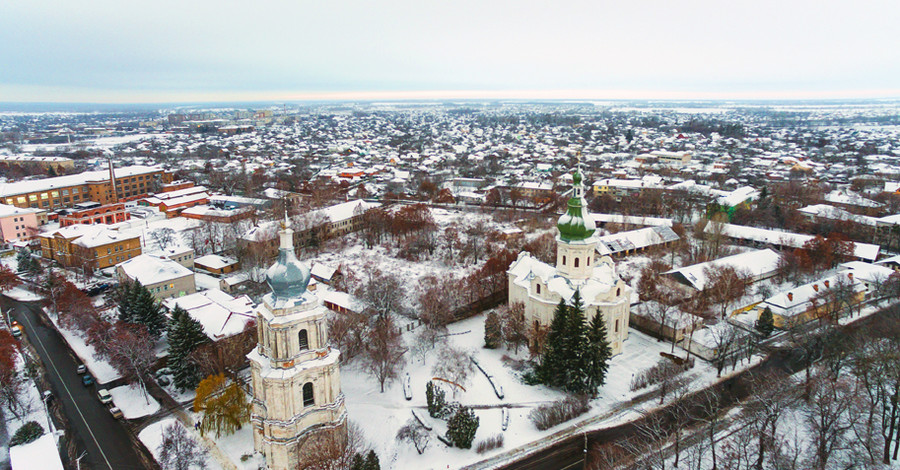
(576, 224)
(288, 277)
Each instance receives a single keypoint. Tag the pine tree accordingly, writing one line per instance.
(551, 368)
(147, 310)
(125, 298)
(372, 461)
(576, 347)
(766, 323)
(358, 463)
(461, 428)
(598, 354)
(185, 336)
(492, 331)
(436, 399)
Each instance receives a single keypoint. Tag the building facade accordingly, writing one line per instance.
(540, 286)
(163, 277)
(17, 224)
(94, 213)
(295, 374)
(89, 246)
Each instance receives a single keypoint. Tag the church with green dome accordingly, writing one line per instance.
(540, 286)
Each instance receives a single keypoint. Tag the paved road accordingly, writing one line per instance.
(105, 439)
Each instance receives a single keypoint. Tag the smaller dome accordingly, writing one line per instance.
(576, 177)
(288, 277)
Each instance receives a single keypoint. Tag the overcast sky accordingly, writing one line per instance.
(198, 50)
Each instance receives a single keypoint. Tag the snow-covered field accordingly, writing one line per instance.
(133, 402)
(381, 415)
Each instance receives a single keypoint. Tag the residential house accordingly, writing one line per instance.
(163, 277)
(217, 264)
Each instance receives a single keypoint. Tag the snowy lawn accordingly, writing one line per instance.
(151, 436)
(236, 446)
(102, 371)
(22, 295)
(133, 402)
(381, 415)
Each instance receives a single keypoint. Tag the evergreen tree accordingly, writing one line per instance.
(765, 324)
(551, 368)
(492, 331)
(372, 461)
(124, 297)
(358, 463)
(461, 428)
(575, 355)
(598, 354)
(147, 310)
(436, 399)
(185, 336)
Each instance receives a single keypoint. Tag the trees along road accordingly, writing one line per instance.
(108, 444)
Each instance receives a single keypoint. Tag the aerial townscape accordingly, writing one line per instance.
(214, 258)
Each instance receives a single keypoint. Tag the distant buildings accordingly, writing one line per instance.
(17, 224)
(89, 246)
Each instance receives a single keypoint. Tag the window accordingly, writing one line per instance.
(617, 327)
(54, 193)
(564, 260)
(65, 192)
(308, 399)
(32, 197)
(20, 199)
(538, 288)
(618, 292)
(304, 340)
(44, 196)
(576, 262)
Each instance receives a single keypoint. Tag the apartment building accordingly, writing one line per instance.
(89, 246)
(17, 224)
(87, 213)
(60, 192)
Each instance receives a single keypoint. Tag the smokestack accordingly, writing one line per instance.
(112, 180)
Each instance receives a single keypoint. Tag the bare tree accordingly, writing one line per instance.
(453, 365)
(725, 285)
(332, 449)
(415, 433)
(163, 237)
(764, 410)
(384, 351)
(828, 415)
(130, 350)
(347, 332)
(513, 326)
(178, 451)
(380, 292)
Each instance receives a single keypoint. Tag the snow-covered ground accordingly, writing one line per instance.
(152, 435)
(381, 415)
(133, 401)
(21, 294)
(205, 281)
(102, 371)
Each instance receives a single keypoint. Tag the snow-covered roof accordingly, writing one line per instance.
(631, 220)
(863, 251)
(739, 196)
(46, 184)
(635, 239)
(220, 314)
(214, 261)
(798, 299)
(603, 278)
(850, 198)
(830, 212)
(758, 264)
(41, 453)
(322, 271)
(7, 210)
(149, 270)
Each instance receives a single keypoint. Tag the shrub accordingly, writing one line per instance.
(491, 443)
(27, 433)
(658, 373)
(549, 415)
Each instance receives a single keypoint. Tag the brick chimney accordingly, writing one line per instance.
(816, 287)
(791, 296)
(827, 283)
(850, 275)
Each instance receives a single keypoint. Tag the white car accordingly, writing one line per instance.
(104, 395)
(116, 413)
(81, 369)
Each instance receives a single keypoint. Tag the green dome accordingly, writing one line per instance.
(577, 223)
(576, 178)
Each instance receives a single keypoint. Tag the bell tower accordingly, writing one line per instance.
(575, 243)
(295, 374)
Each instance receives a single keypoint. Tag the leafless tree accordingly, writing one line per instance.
(347, 332)
(828, 415)
(163, 237)
(380, 292)
(130, 350)
(725, 285)
(764, 410)
(332, 449)
(178, 451)
(384, 351)
(454, 365)
(415, 433)
(513, 325)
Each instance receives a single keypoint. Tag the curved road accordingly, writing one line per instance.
(107, 442)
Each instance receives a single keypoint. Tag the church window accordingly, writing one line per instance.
(538, 288)
(618, 292)
(576, 262)
(564, 260)
(308, 399)
(304, 340)
(617, 327)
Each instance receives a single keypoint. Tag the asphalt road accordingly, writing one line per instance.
(105, 439)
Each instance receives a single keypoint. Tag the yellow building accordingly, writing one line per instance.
(828, 297)
(89, 246)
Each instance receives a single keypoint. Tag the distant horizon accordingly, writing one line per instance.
(427, 96)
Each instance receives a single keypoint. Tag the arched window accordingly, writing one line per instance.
(304, 340)
(564, 260)
(576, 262)
(308, 399)
(538, 288)
(618, 292)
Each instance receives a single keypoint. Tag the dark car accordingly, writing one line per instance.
(87, 380)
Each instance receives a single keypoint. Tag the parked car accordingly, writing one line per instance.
(81, 369)
(104, 395)
(48, 396)
(87, 380)
(163, 381)
(16, 330)
(116, 412)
